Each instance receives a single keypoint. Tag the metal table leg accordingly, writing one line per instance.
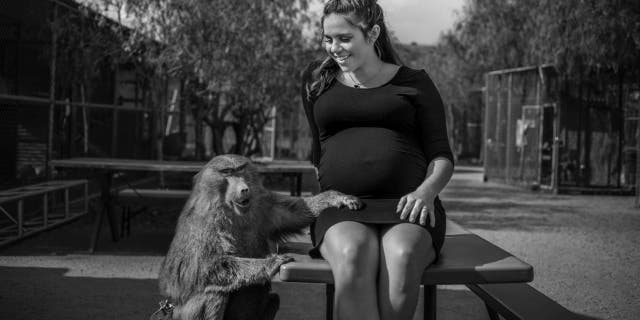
(105, 209)
(430, 302)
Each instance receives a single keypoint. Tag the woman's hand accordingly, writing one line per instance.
(418, 205)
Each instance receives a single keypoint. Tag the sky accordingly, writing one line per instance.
(419, 21)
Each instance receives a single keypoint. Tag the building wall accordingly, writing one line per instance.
(8, 143)
(23, 71)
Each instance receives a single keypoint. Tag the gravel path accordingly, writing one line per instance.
(584, 248)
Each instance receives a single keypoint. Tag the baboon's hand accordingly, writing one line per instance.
(275, 261)
(342, 200)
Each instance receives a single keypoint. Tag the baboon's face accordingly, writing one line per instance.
(230, 178)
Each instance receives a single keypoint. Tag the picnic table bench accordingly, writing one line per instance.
(494, 274)
(519, 301)
(35, 208)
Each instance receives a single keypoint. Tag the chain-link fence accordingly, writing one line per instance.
(515, 106)
(564, 134)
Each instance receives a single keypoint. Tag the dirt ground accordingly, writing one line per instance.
(584, 250)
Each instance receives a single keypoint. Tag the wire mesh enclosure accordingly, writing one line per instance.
(567, 135)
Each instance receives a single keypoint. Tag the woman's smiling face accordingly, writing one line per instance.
(345, 43)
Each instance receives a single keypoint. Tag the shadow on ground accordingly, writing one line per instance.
(150, 234)
(45, 293)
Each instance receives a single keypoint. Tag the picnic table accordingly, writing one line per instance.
(107, 167)
(465, 259)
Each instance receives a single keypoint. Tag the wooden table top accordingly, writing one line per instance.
(275, 166)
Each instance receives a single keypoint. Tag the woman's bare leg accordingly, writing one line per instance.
(351, 248)
(405, 251)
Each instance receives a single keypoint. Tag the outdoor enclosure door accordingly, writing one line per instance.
(547, 135)
(528, 146)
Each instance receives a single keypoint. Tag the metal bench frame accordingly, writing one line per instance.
(21, 226)
(519, 301)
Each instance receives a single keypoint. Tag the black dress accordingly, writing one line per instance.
(376, 143)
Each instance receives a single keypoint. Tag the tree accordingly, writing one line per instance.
(237, 59)
(86, 45)
(577, 36)
(586, 35)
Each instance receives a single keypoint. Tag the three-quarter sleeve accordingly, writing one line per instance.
(431, 120)
(308, 110)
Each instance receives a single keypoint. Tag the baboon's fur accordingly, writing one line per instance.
(219, 263)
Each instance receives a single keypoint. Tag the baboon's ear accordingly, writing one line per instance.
(194, 179)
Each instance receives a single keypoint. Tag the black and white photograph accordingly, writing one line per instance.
(320, 159)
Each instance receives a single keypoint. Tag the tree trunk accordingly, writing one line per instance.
(199, 147)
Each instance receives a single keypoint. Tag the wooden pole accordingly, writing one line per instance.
(52, 89)
(85, 123)
(540, 129)
(159, 106)
(485, 124)
(509, 131)
(637, 153)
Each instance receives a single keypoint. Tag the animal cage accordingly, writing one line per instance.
(566, 135)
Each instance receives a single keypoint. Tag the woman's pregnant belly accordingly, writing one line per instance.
(371, 162)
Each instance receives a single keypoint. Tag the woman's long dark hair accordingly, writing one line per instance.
(363, 14)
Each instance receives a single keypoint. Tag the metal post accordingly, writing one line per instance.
(485, 132)
(45, 209)
(292, 183)
(329, 291)
(540, 131)
(509, 133)
(430, 302)
(66, 202)
(555, 159)
(498, 126)
(86, 197)
(114, 132)
(52, 89)
(20, 218)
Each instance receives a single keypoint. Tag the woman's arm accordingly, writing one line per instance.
(419, 204)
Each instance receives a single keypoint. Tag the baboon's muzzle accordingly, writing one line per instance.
(238, 192)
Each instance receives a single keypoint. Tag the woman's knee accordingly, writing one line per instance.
(355, 259)
(399, 257)
(407, 251)
(351, 250)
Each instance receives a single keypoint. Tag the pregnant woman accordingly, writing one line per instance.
(379, 132)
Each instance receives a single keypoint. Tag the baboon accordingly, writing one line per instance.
(219, 264)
